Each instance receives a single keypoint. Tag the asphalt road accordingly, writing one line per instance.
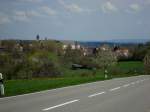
(116, 95)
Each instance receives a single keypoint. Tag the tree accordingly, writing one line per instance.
(105, 59)
(9, 44)
(147, 63)
(140, 51)
(43, 65)
(72, 55)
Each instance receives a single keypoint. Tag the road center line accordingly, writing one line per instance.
(90, 96)
(132, 83)
(141, 80)
(126, 85)
(114, 89)
(137, 81)
(60, 105)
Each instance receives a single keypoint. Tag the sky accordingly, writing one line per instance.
(75, 19)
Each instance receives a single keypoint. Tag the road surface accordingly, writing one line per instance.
(116, 95)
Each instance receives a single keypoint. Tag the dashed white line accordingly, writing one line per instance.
(144, 79)
(141, 80)
(90, 96)
(60, 105)
(115, 89)
(132, 83)
(137, 81)
(126, 85)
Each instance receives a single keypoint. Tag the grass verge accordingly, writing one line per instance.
(17, 87)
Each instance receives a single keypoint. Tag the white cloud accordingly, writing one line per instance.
(33, 1)
(21, 16)
(25, 16)
(33, 13)
(134, 8)
(4, 19)
(48, 11)
(74, 8)
(109, 7)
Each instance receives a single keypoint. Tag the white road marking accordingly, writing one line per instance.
(126, 85)
(60, 105)
(90, 96)
(141, 80)
(115, 88)
(96, 94)
(132, 83)
(137, 81)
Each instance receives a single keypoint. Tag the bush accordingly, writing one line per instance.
(29, 65)
(44, 66)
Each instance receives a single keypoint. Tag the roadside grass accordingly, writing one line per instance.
(71, 77)
(127, 69)
(16, 87)
(132, 68)
(128, 65)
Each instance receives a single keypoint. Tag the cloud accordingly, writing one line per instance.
(21, 16)
(108, 7)
(74, 8)
(25, 16)
(31, 1)
(48, 11)
(4, 19)
(33, 13)
(134, 8)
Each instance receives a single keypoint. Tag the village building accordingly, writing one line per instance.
(104, 47)
(122, 52)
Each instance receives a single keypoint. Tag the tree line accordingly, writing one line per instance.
(40, 59)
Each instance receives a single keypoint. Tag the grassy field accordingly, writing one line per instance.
(131, 65)
(130, 68)
(72, 77)
(16, 87)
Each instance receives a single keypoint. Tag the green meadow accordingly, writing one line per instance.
(72, 77)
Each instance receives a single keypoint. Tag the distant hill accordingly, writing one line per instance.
(129, 41)
(121, 42)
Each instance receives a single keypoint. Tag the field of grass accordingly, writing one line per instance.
(16, 87)
(131, 65)
(127, 69)
(72, 77)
